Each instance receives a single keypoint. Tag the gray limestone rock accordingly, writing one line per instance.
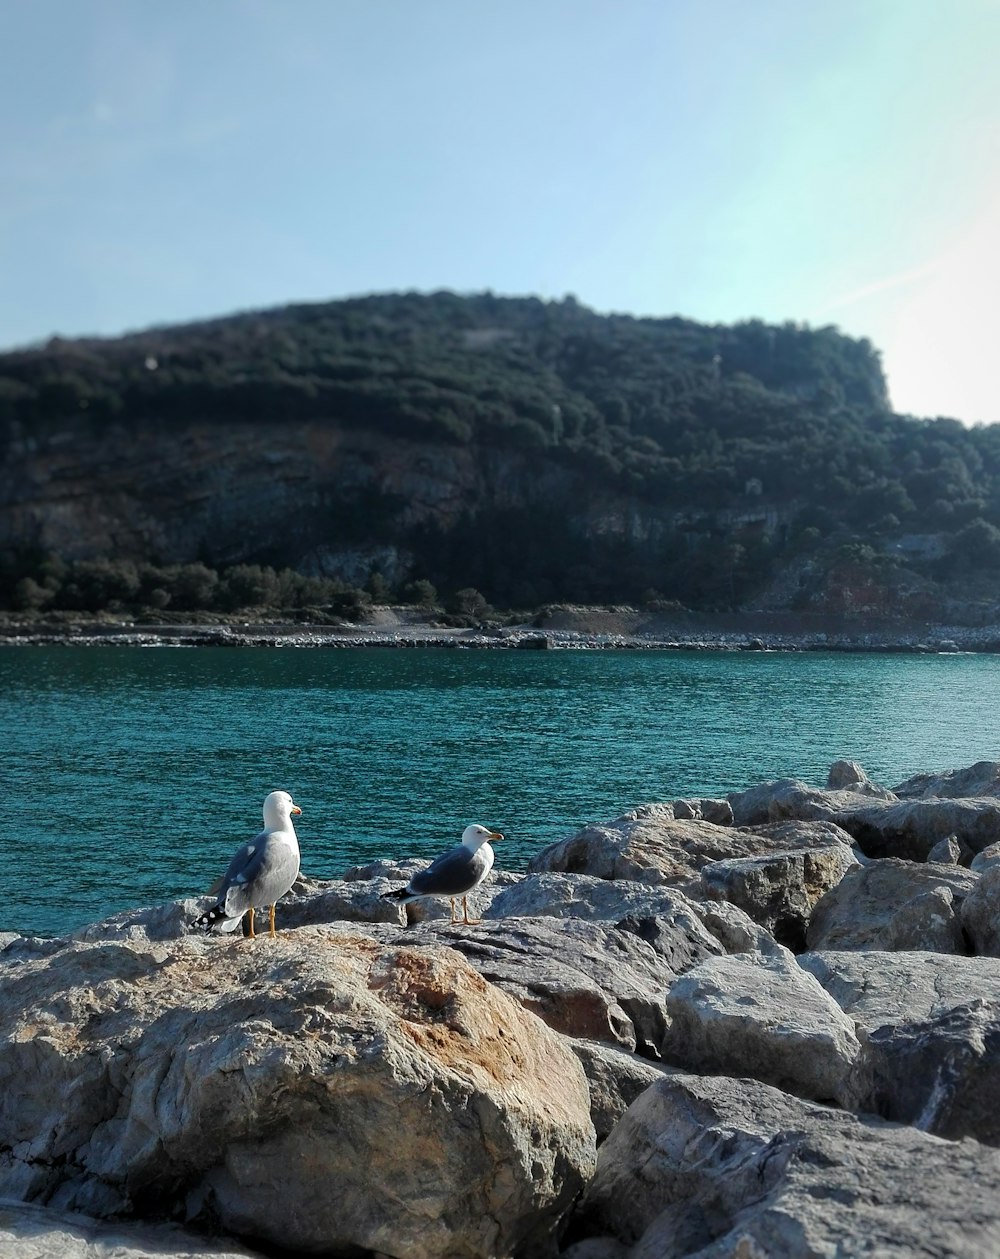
(981, 913)
(911, 828)
(986, 858)
(931, 1027)
(779, 889)
(616, 1078)
(946, 852)
(981, 779)
(588, 899)
(891, 904)
(720, 812)
(722, 1168)
(589, 980)
(763, 1017)
(325, 1091)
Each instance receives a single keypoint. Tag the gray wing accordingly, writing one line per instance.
(259, 873)
(452, 874)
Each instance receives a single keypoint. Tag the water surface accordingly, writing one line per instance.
(133, 773)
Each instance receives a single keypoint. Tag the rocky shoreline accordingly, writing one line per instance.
(585, 630)
(767, 1025)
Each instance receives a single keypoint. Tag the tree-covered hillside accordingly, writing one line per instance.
(762, 446)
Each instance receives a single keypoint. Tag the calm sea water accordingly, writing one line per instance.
(131, 774)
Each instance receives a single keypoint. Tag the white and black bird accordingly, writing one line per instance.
(260, 872)
(455, 873)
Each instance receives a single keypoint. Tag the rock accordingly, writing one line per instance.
(850, 776)
(788, 799)
(892, 904)
(588, 980)
(911, 828)
(587, 899)
(946, 852)
(665, 851)
(931, 1024)
(719, 812)
(34, 1232)
(321, 1092)
(733, 1169)
(981, 779)
(981, 913)
(735, 930)
(763, 1017)
(779, 889)
(644, 845)
(616, 1079)
(986, 859)
(337, 900)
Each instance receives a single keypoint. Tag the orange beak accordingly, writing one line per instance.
(295, 809)
(495, 835)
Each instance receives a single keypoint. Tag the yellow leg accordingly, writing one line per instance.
(472, 922)
(273, 932)
(250, 932)
(454, 917)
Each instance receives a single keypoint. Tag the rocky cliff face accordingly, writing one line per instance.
(318, 496)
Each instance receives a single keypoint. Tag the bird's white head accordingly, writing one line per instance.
(475, 836)
(279, 807)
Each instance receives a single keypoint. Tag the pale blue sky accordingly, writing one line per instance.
(826, 161)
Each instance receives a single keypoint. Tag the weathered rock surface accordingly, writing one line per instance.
(981, 779)
(779, 889)
(980, 912)
(588, 980)
(911, 828)
(892, 904)
(733, 1169)
(931, 1026)
(763, 1017)
(788, 799)
(650, 846)
(616, 1078)
(321, 1091)
(33, 1232)
(720, 812)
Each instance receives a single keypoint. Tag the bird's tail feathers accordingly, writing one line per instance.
(400, 894)
(217, 917)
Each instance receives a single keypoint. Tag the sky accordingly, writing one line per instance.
(820, 161)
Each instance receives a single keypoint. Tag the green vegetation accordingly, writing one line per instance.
(756, 448)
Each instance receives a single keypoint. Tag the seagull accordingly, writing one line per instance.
(455, 873)
(260, 872)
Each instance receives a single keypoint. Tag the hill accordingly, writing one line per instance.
(531, 450)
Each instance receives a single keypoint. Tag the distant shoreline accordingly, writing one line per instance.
(576, 630)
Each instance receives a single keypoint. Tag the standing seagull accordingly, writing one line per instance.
(260, 872)
(455, 873)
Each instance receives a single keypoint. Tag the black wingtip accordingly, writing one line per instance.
(210, 918)
(399, 894)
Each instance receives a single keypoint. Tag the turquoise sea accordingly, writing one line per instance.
(131, 774)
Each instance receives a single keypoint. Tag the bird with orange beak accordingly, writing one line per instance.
(261, 872)
(455, 873)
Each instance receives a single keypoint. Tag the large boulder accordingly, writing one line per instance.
(931, 1027)
(324, 1091)
(892, 904)
(981, 779)
(764, 1017)
(591, 980)
(649, 845)
(779, 889)
(911, 828)
(733, 1169)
